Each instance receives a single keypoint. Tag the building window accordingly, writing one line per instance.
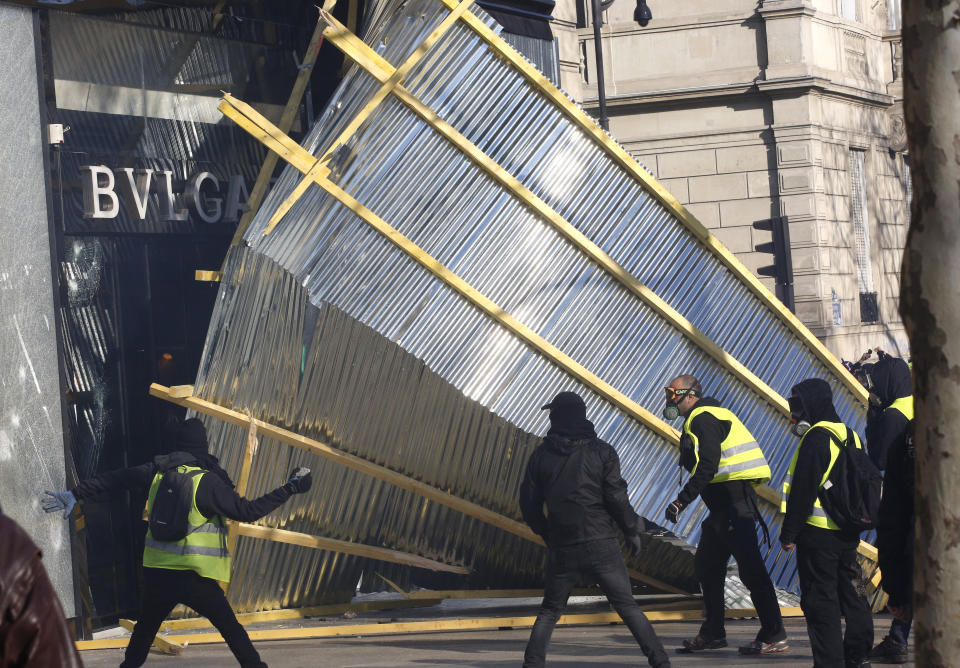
(848, 9)
(894, 15)
(869, 311)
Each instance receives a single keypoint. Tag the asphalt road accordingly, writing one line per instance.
(590, 646)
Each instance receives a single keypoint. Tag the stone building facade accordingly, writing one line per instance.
(747, 110)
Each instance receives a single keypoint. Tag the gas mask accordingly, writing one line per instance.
(800, 424)
(674, 396)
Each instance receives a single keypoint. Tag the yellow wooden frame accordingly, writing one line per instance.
(182, 395)
(433, 626)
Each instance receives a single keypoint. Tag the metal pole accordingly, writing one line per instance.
(597, 45)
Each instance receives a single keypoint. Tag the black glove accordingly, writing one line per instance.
(672, 513)
(634, 545)
(300, 481)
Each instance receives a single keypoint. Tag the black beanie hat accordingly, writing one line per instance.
(192, 437)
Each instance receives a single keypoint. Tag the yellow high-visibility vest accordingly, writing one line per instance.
(904, 405)
(740, 456)
(818, 516)
(203, 550)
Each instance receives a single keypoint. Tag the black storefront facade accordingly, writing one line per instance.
(147, 187)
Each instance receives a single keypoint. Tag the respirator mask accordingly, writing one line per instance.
(800, 424)
(674, 396)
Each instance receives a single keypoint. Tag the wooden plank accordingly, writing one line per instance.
(207, 274)
(369, 468)
(301, 613)
(360, 52)
(590, 128)
(320, 170)
(160, 641)
(286, 122)
(433, 626)
(345, 547)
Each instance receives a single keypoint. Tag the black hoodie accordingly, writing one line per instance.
(579, 481)
(885, 428)
(813, 460)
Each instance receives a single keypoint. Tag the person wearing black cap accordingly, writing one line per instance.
(577, 476)
(188, 571)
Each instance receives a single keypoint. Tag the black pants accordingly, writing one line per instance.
(162, 590)
(602, 561)
(831, 585)
(735, 535)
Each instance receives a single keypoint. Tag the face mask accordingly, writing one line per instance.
(671, 412)
(800, 428)
(800, 424)
(674, 396)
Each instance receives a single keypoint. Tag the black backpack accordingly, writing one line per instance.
(851, 494)
(169, 514)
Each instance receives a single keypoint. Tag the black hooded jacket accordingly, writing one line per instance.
(813, 460)
(215, 493)
(579, 480)
(887, 427)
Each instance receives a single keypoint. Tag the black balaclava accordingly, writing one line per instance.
(568, 417)
(813, 399)
(191, 438)
(890, 379)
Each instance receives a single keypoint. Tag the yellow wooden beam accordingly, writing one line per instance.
(209, 275)
(176, 395)
(589, 126)
(160, 641)
(481, 624)
(345, 547)
(286, 122)
(361, 53)
(320, 170)
(300, 613)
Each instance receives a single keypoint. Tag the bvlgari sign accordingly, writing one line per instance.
(104, 189)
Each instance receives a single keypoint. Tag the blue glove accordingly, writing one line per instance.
(58, 501)
(300, 481)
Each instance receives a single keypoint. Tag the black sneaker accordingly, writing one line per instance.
(857, 663)
(760, 647)
(889, 651)
(701, 643)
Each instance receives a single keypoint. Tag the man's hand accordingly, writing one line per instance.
(672, 513)
(300, 481)
(634, 545)
(786, 546)
(58, 501)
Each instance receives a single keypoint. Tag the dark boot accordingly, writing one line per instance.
(889, 651)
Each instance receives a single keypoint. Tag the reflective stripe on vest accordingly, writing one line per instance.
(904, 405)
(203, 550)
(818, 517)
(740, 455)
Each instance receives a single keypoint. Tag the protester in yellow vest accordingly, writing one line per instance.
(831, 582)
(889, 422)
(725, 463)
(190, 570)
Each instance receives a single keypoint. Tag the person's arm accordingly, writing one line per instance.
(531, 500)
(615, 498)
(33, 631)
(812, 462)
(215, 497)
(887, 429)
(115, 481)
(710, 433)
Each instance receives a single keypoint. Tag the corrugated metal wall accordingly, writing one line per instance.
(324, 254)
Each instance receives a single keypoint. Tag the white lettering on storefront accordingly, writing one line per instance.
(103, 193)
